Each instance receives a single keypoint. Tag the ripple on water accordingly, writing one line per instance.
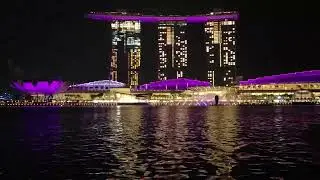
(133, 142)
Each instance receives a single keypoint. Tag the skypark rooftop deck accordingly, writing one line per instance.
(102, 16)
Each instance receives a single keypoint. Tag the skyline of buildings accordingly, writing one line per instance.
(172, 46)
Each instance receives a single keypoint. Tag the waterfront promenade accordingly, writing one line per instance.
(16, 104)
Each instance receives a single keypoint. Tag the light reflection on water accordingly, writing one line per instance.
(222, 133)
(134, 142)
(124, 140)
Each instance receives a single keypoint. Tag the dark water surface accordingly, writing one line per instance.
(131, 142)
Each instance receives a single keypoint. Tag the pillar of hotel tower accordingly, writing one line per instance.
(172, 49)
(126, 52)
(220, 50)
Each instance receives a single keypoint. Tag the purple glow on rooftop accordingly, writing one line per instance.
(41, 87)
(297, 77)
(154, 19)
(173, 84)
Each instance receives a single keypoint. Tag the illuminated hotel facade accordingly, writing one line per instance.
(220, 46)
(126, 52)
(220, 51)
(172, 49)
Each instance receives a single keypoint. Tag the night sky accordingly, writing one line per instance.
(52, 39)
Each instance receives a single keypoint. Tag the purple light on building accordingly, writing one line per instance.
(297, 77)
(40, 87)
(174, 84)
(155, 19)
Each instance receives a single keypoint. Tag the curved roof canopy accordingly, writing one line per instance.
(5, 96)
(297, 77)
(101, 83)
(174, 84)
(40, 87)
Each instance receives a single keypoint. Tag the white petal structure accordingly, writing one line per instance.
(39, 87)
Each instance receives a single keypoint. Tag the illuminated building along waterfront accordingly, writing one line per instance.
(221, 57)
(172, 46)
(299, 87)
(126, 52)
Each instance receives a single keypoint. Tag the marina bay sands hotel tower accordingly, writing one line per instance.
(220, 46)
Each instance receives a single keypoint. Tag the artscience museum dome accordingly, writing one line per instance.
(40, 87)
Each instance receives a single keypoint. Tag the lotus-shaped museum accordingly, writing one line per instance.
(174, 84)
(40, 87)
